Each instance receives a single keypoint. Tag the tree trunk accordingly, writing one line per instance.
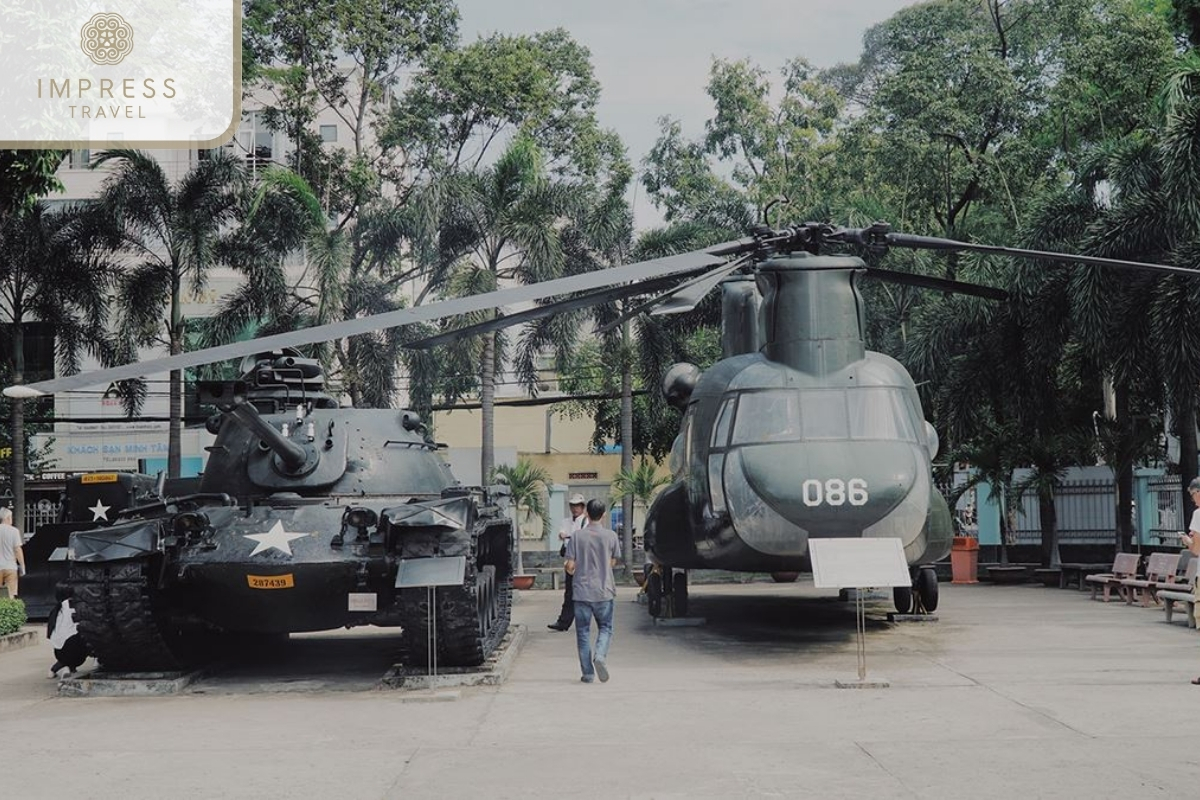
(175, 429)
(1124, 471)
(627, 445)
(1049, 515)
(1188, 467)
(487, 407)
(1004, 520)
(18, 429)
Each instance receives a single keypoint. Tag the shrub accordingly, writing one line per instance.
(12, 615)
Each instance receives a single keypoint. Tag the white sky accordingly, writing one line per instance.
(652, 57)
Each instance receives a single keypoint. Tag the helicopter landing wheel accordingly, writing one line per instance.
(926, 586)
(903, 598)
(679, 595)
(654, 593)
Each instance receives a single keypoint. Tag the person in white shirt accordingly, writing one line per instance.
(12, 555)
(69, 648)
(575, 522)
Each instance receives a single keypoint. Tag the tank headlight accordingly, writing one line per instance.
(360, 517)
(191, 523)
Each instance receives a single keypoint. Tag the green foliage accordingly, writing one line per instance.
(528, 484)
(26, 175)
(643, 482)
(12, 615)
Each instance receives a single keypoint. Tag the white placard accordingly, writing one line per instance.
(858, 563)
(363, 601)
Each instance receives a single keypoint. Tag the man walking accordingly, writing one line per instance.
(12, 556)
(591, 555)
(565, 531)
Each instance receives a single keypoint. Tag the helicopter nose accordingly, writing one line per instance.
(829, 488)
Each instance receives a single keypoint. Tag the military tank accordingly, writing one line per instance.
(302, 521)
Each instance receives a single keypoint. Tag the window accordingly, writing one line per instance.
(881, 413)
(724, 417)
(772, 416)
(329, 133)
(78, 159)
(260, 145)
(824, 414)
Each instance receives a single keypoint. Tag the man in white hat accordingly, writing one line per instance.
(575, 522)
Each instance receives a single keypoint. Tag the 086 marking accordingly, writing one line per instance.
(834, 492)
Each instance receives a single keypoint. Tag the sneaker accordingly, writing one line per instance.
(601, 670)
(586, 679)
(53, 674)
(557, 626)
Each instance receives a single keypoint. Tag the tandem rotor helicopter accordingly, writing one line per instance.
(797, 433)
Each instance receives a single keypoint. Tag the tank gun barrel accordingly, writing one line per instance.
(230, 399)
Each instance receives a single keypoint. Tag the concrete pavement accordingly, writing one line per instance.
(1019, 691)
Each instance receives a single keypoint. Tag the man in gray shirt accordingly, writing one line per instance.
(591, 555)
(12, 557)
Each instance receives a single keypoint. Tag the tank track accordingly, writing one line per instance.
(461, 642)
(114, 607)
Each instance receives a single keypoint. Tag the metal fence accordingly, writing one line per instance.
(1086, 512)
(39, 513)
(1166, 515)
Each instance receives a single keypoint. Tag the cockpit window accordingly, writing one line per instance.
(881, 413)
(772, 416)
(724, 418)
(787, 415)
(824, 414)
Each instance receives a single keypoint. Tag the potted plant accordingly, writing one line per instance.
(526, 484)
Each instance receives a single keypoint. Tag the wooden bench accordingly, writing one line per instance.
(1170, 597)
(1160, 569)
(1124, 566)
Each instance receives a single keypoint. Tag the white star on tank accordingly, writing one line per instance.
(277, 537)
(99, 512)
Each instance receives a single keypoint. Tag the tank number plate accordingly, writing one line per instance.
(99, 477)
(271, 581)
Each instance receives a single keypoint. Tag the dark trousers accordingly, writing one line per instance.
(71, 654)
(567, 615)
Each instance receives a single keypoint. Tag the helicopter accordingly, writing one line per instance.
(797, 432)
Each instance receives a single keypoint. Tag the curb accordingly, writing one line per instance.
(15, 641)
(492, 672)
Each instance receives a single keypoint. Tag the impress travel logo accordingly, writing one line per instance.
(107, 39)
(129, 73)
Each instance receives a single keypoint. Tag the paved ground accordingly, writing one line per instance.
(1017, 692)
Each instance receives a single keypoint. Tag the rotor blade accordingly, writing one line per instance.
(690, 293)
(702, 285)
(579, 301)
(628, 273)
(930, 282)
(934, 243)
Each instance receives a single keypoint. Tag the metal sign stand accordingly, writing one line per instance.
(839, 563)
(430, 573)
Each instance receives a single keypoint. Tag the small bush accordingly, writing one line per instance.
(12, 615)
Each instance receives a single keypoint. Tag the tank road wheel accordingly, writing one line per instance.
(122, 617)
(926, 586)
(679, 595)
(903, 598)
(654, 593)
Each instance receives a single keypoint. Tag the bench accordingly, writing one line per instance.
(1160, 569)
(1170, 597)
(1073, 574)
(1124, 566)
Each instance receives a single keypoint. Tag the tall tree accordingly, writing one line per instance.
(54, 274)
(175, 233)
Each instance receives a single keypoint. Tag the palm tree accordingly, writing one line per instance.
(55, 273)
(175, 233)
(496, 225)
(526, 484)
(640, 484)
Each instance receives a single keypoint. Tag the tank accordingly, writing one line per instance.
(308, 516)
